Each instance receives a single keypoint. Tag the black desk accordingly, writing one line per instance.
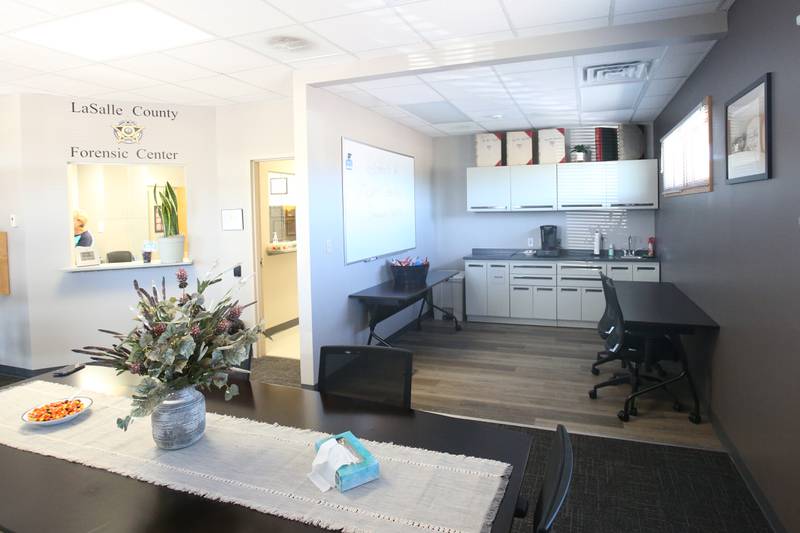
(41, 493)
(384, 300)
(661, 308)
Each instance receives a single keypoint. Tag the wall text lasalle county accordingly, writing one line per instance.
(117, 111)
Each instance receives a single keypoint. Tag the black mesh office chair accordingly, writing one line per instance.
(120, 256)
(605, 327)
(636, 349)
(557, 478)
(373, 373)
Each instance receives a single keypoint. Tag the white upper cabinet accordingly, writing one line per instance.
(582, 185)
(533, 187)
(634, 185)
(488, 189)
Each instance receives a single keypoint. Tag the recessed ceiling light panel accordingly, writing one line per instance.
(122, 30)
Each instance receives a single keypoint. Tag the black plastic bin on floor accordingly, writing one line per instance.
(410, 277)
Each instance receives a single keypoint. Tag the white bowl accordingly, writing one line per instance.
(85, 400)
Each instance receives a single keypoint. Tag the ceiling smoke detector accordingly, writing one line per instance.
(616, 72)
(287, 43)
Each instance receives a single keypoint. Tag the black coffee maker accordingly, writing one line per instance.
(550, 243)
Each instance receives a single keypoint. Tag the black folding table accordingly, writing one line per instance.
(384, 300)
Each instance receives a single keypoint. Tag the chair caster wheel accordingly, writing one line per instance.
(677, 407)
(595, 371)
(593, 394)
(694, 418)
(622, 415)
(634, 411)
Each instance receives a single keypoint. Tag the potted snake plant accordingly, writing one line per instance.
(580, 152)
(170, 246)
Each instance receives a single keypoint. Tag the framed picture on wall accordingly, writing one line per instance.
(748, 140)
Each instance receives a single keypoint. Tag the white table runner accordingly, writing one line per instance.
(264, 467)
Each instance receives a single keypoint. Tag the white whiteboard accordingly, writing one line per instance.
(378, 201)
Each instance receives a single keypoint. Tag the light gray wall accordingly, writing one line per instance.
(458, 231)
(336, 319)
(735, 251)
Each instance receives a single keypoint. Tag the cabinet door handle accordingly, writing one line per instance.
(475, 266)
(521, 288)
(488, 207)
(594, 290)
(635, 204)
(620, 268)
(645, 268)
(568, 290)
(571, 267)
(498, 266)
(581, 205)
(550, 278)
(544, 289)
(542, 206)
(574, 278)
(548, 267)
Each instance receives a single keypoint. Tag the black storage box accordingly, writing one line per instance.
(410, 277)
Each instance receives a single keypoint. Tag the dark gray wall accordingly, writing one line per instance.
(736, 252)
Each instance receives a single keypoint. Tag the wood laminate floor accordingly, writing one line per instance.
(538, 377)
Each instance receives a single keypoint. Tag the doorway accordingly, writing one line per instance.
(275, 254)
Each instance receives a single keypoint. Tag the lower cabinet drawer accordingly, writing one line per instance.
(521, 302)
(646, 273)
(593, 305)
(544, 303)
(569, 303)
(620, 272)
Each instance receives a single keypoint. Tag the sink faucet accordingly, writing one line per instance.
(629, 251)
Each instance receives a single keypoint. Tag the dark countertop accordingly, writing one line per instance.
(511, 254)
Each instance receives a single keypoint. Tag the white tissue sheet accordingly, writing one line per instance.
(330, 457)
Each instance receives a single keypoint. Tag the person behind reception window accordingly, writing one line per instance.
(81, 234)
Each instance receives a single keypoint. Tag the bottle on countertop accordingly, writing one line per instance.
(597, 238)
(611, 250)
(651, 246)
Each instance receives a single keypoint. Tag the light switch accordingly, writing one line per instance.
(328, 246)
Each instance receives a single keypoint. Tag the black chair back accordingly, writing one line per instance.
(121, 256)
(557, 478)
(373, 373)
(614, 332)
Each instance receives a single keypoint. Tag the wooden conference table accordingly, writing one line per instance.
(41, 493)
(662, 308)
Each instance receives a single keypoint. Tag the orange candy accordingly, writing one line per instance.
(55, 410)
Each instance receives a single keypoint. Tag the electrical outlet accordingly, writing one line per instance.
(530, 242)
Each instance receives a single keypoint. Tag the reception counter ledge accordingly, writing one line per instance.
(125, 266)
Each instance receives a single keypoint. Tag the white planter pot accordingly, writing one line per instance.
(170, 249)
(579, 156)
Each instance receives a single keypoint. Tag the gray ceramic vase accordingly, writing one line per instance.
(180, 420)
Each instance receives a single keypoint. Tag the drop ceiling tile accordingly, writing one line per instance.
(308, 10)
(362, 98)
(534, 65)
(10, 72)
(437, 20)
(461, 128)
(54, 84)
(413, 94)
(405, 49)
(633, 6)
(666, 86)
(561, 78)
(36, 57)
(553, 120)
(677, 65)
(390, 111)
(220, 56)
(526, 13)
(645, 115)
(436, 112)
(258, 96)
(228, 18)
(109, 77)
(162, 67)
(315, 47)
(323, 61)
(563, 27)
(490, 90)
(490, 114)
(506, 125)
(14, 15)
(655, 101)
(277, 78)
(173, 94)
(368, 30)
(612, 96)
(471, 41)
(123, 96)
(614, 116)
(61, 7)
(394, 81)
(459, 74)
(220, 86)
(663, 14)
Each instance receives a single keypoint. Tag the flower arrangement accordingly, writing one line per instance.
(178, 343)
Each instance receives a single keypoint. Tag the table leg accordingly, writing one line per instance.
(375, 316)
(694, 415)
(447, 315)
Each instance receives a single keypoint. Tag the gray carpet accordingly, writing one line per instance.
(620, 486)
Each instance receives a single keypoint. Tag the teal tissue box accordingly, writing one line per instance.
(364, 471)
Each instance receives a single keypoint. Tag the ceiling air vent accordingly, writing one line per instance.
(616, 72)
(288, 43)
